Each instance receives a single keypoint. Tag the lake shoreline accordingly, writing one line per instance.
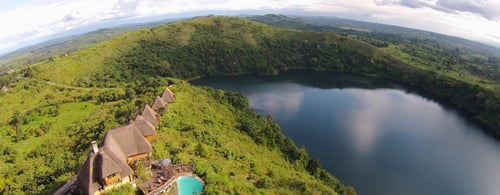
(396, 90)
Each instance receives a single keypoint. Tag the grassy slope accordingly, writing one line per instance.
(43, 148)
(32, 96)
(230, 160)
(436, 66)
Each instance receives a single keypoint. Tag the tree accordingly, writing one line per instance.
(140, 171)
(202, 150)
(493, 60)
(314, 166)
(19, 134)
(16, 119)
(130, 93)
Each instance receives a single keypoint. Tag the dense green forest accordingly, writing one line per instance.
(55, 108)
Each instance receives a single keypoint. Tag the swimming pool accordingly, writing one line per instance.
(189, 185)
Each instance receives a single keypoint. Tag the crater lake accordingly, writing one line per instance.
(376, 135)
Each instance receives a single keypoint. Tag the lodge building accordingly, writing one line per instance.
(112, 164)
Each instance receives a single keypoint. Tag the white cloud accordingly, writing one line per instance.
(30, 22)
(486, 8)
(23, 22)
(425, 15)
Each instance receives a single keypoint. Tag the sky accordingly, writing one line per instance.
(23, 22)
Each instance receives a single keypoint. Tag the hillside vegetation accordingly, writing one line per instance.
(45, 138)
(452, 56)
(224, 45)
(54, 109)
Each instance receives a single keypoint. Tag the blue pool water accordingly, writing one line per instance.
(189, 185)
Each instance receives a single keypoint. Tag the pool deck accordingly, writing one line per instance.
(162, 179)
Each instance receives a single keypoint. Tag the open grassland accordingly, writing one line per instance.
(429, 61)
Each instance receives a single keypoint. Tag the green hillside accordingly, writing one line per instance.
(54, 109)
(45, 142)
(225, 45)
(452, 56)
(209, 46)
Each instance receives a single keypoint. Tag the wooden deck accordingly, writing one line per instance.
(162, 178)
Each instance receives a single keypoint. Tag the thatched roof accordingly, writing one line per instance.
(168, 96)
(158, 104)
(145, 127)
(100, 165)
(110, 163)
(126, 141)
(118, 145)
(108, 166)
(150, 115)
(87, 176)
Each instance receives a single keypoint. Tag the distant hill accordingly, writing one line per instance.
(56, 48)
(429, 49)
(370, 29)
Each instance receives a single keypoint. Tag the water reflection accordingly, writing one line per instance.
(365, 118)
(283, 103)
(375, 135)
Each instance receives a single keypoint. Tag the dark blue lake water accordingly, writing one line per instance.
(375, 135)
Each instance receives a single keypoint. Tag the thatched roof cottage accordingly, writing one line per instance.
(159, 105)
(103, 170)
(110, 165)
(146, 128)
(128, 143)
(168, 96)
(150, 115)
